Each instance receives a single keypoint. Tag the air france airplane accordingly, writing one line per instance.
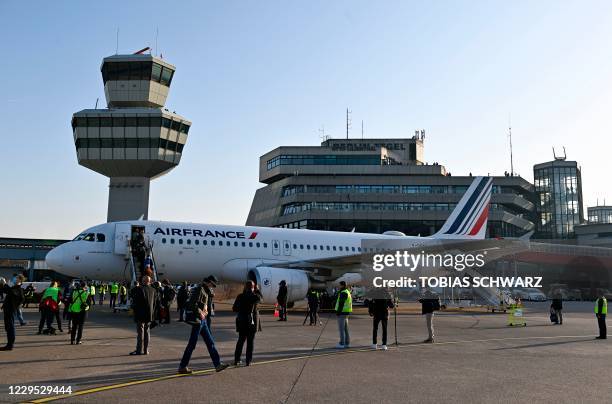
(303, 258)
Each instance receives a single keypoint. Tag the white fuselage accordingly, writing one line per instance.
(190, 252)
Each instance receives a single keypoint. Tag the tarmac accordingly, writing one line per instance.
(477, 358)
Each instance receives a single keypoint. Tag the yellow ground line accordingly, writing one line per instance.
(291, 358)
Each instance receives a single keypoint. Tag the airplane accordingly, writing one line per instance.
(234, 254)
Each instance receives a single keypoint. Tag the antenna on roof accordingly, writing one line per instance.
(560, 158)
(117, 45)
(510, 137)
(322, 134)
(348, 122)
(156, 35)
(362, 129)
(96, 107)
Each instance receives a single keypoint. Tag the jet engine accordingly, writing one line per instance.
(268, 279)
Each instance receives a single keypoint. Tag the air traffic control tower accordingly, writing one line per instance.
(135, 139)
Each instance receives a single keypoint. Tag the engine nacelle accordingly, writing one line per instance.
(268, 278)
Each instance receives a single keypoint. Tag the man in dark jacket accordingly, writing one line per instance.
(247, 320)
(145, 304)
(168, 295)
(197, 310)
(210, 284)
(429, 303)
(281, 299)
(557, 305)
(181, 300)
(379, 311)
(14, 297)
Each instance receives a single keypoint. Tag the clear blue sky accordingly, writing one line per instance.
(253, 75)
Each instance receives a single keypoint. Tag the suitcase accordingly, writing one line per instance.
(553, 317)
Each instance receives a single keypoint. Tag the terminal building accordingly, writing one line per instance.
(373, 186)
(135, 139)
(558, 190)
(598, 230)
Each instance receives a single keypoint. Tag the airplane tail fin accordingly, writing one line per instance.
(469, 219)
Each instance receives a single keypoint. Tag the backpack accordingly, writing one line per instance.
(169, 294)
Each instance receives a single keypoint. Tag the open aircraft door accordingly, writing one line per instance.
(123, 232)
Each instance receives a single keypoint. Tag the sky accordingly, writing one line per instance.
(255, 75)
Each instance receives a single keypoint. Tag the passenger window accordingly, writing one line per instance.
(353, 248)
(243, 244)
(340, 248)
(359, 249)
(250, 244)
(171, 241)
(301, 246)
(189, 241)
(227, 243)
(212, 242)
(163, 241)
(257, 245)
(308, 246)
(235, 244)
(334, 248)
(265, 245)
(327, 248)
(321, 247)
(204, 242)
(197, 242)
(314, 247)
(295, 246)
(100, 237)
(180, 241)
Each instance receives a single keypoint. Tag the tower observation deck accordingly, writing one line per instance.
(135, 139)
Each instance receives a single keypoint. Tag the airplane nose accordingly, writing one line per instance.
(55, 258)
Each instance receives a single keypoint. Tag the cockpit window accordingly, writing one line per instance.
(90, 237)
(100, 237)
(79, 237)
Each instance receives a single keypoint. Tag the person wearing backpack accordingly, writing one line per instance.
(195, 315)
(181, 300)
(14, 297)
(429, 304)
(247, 320)
(78, 312)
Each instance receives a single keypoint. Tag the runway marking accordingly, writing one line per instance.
(287, 359)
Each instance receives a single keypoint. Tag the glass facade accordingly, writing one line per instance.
(559, 199)
(386, 189)
(129, 122)
(324, 159)
(148, 71)
(600, 214)
(84, 143)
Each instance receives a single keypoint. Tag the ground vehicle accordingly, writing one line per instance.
(535, 295)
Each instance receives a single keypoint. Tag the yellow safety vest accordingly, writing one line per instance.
(114, 288)
(92, 290)
(348, 303)
(50, 292)
(604, 307)
(79, 298)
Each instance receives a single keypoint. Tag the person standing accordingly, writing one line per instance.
(144, 305)
(379, 311)
(167, 297)
(313, 306)
(29, 295)
(181, 300)
(114, 291)
(557, 305)
(13, 298)
(601, 310)
(79, 305)
(429, 304)
(102, 291)
(344, 307)
(247, 320)
(92, 294)
(210, 284)
(196, 315)
(281, 299)
(123, 294)
(49, 304)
